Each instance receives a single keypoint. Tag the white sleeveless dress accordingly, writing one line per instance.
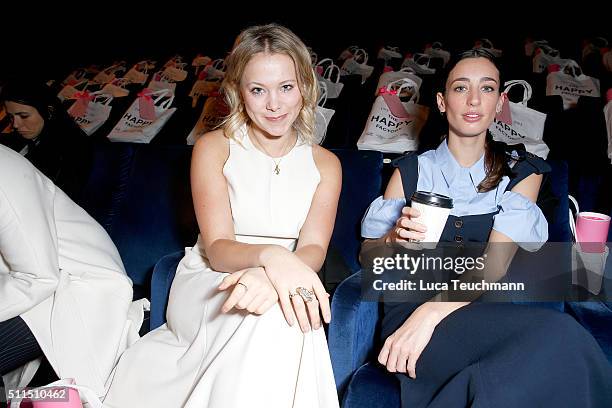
(204, 358)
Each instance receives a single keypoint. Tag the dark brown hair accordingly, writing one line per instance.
(496, 164)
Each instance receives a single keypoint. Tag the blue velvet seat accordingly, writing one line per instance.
(161, 281)
(141, 195)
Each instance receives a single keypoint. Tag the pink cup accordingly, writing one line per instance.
(63, 397)
(592, 231)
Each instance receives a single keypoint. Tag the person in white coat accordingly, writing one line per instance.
(64, 292)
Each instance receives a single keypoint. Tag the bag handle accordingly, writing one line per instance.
(409, 70)
(363, 54)
(569, 63)
(404, 83)
(329, 70)
(313, 57)
(322, 93)
(396, 49)
(104, 99)
(421, 56)
(157, 95)
(572, 222)
(527, 91)
(219, 64)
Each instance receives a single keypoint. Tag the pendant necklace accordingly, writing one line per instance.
(276, 163)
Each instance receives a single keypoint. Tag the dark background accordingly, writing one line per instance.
(48, 41)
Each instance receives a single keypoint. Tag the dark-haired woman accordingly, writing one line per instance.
(457, 354)
(54, 143)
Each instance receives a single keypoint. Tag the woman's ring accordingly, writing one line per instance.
(307, 295)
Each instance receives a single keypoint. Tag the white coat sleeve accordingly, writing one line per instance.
(29, 272)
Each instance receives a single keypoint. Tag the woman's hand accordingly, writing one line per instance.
(405, 228)
(287, 272)
(403, 348)
(252, 291)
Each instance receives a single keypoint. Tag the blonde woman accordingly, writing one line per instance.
(244, 315)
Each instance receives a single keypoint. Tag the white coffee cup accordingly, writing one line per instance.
(434, 210)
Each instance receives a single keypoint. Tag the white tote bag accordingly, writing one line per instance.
(571, 83)
(357, 64)
(545, 56)
(75, 76)
(531, 46)
(330, 75)
(91, 111)
(135, 76)
(387, 53)
(199, 62)
(69, 91)
(138, 74)
(160, 82)
(313, 56)
(391, 76)
(116, 88)
(108, 74)
(486, 44)
(215, 71)
(144, 118)
(394, 126)
(176, 73)
(419, 63)
(435, 51)
(322, 114)
(214, 111)
(348, 53)
(607, 60)
(527, 125)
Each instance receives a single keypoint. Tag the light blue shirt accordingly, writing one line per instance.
(439, 172)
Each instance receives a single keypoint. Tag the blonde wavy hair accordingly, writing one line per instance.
(272, 39)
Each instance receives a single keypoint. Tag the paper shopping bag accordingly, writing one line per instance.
(160, 82)
(323, 115)
(394, 126)
(391, 76)
(357, 64)
(91, 111)
(330, 75)
(214, 111)
(144, 118)
(435, 51)
(419, 63)
(526, 125)
(571, 83)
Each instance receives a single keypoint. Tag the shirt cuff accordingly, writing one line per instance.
(522, 221)
(381, 216)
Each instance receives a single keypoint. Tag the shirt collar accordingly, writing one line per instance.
(451, 168)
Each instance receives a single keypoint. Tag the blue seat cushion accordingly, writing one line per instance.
(161, 282)
(157, 205)
(361, 184)
(372, 387)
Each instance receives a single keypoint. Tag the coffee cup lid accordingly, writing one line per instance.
(433, 199)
